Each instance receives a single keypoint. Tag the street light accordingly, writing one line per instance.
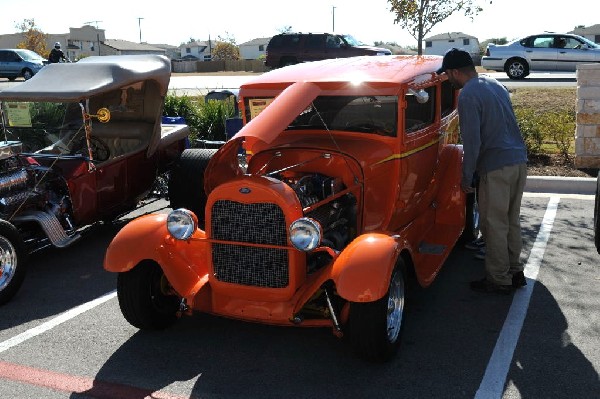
(333, 19)
(140, 26)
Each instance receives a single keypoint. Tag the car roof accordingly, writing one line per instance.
(392, 70)
(90, 76)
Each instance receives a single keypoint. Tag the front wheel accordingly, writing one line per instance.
(516, 69)
(12, 261)
(374, 328)
(145, 297)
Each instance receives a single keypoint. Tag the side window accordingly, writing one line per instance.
(447, 98)
(3, 56)
(418, 116)
(543, 42)
(290, 41)
(315, 41)
(333, 42)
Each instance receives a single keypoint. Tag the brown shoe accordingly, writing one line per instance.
(484, 285)
(518, 280)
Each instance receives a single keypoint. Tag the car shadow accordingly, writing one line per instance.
(449, 335)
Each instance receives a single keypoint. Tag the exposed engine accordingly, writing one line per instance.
(336, 217)
(34, 196)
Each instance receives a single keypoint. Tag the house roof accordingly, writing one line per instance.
(125, 45)
(450, 35)
(197, 43)
(257, 42)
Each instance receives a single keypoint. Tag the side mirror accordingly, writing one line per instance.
(421, 95)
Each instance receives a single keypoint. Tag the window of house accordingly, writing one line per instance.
(466, 42)
(428, 44)
(188, 50)
(261, 47)
(597, 38)
(451, 41)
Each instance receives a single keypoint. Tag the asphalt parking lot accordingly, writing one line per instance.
(63, 335)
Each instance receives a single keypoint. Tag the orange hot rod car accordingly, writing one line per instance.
(348, 190)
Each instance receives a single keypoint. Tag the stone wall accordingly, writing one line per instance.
(587, 133)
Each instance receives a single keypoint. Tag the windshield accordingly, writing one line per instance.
(29, 55)
(363, 114)
(43, 127)
(590, 43)
(352, 41)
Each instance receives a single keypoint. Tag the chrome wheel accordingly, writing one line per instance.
(8, 262)
(395, 306)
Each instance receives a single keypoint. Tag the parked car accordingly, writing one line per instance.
(351, 194)
(81, 143)
(293, 48)
(16, 63)
(542, 52)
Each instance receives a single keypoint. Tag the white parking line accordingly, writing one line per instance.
(492, 385)
(42, 328)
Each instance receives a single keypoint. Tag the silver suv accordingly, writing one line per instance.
(15, 63)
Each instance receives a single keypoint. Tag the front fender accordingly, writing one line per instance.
(147, 238)
(362, 271)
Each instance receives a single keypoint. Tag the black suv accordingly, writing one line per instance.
(292, 48)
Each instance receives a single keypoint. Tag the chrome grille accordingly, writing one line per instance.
(256, 223)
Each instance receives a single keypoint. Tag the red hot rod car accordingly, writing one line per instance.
(350, 193)
(80, 143)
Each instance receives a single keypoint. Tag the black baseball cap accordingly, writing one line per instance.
(454, 59)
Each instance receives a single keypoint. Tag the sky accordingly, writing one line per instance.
(176, 22)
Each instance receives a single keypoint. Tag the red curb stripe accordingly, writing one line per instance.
(67, 383)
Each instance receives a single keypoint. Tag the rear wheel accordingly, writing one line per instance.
(12, 261)
(471, 231)
(145, 297)
(27, 74)
(186, 183)
(374, 328)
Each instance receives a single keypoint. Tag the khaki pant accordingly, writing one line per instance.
(500, 194)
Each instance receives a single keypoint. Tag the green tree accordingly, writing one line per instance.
(226, 48)
(33, 38)
(418, 17)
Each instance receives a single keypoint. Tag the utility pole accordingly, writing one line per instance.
(333, 19)
(140, 26)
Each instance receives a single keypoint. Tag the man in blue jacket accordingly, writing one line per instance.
(494, 148)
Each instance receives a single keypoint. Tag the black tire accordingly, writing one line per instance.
(27, 74)
(144, 299)
(597, 215)
(12, 78)
(375, 328)
(186, 183)
(516, 68)
(12, 261)
(471, 231)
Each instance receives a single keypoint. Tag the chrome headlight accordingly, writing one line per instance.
(305, 234)
(182, 223)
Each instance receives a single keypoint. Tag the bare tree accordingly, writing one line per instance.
(418, 17)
